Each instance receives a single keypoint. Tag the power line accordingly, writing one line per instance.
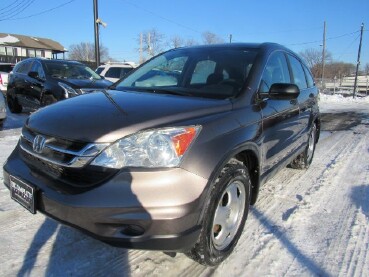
(43, 12)
(162, 17)
(14, 9)
(348, 47)
(330, 38)
(7, 7)
(19, 9)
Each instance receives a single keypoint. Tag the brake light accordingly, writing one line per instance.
(1, 80)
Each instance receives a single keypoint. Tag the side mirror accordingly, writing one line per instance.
(281, 91)
(34, 75)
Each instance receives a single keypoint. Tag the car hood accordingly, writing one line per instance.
(87, 83)
(106, 116)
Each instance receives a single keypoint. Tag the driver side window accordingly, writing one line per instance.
(276, 71)
(37, 67)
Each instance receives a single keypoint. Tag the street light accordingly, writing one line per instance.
(97, 22)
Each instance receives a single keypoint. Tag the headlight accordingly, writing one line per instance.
(69, 91)
(154, 148)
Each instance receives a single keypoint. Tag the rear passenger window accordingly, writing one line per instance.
(298, 73)
(309, 78)
(113, 72)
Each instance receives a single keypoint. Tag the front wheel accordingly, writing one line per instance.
(304, 160)
(13, 104)
(225, 215)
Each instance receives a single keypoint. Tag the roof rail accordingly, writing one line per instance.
(123, 63)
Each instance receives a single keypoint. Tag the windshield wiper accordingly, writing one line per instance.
(166, 91)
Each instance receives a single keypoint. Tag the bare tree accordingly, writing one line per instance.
(85, 51)
(152, 42)
(366, 69)
(191, 42)
(211, 38)
(339, 69)
(176, 42)
(313, 58)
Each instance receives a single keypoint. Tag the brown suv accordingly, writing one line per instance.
(173, 155)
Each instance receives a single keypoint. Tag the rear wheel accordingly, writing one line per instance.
(48, 100)
(304, 159)
(13, 104)
(225, 215)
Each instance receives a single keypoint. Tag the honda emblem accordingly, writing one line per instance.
(38, 144)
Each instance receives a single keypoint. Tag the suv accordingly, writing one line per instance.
(173, 155)
(38, 82)
(5, 68)
(113, 71)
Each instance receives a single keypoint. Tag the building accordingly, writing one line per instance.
(14, 48)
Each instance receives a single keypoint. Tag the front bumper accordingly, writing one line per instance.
(156, 210)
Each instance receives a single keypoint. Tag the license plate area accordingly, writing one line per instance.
(23, 193)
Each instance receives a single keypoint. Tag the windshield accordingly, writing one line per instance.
(70, 71)
(214, 72)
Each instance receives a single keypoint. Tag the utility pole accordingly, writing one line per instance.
(358, 59)
(96, 28)
(323, 55)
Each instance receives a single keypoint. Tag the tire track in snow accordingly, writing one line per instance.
(295, 186)
(330, 191)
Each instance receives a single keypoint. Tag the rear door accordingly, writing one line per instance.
(280, 117)
(35, 86)
(302, 78)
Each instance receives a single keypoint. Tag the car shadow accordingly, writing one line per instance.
(73, 254)
(360, 196)
(65, 251)
(302, 258)
(15, 121)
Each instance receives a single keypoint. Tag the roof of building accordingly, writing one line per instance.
(31, 42)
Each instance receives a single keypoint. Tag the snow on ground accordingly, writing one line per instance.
(312, 222)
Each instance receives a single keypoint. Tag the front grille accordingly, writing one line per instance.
(64, 160)
(59, 151)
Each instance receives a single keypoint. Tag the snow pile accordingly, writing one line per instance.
(339, 98)
(338, 103)
(8, 39)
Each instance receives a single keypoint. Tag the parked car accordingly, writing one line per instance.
(113, 71)
(38, 82)
(2, 109)
(172, 164)
(5, 68)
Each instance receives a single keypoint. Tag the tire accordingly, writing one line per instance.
(47, 100)
(225, 215)
(304, 160)
(13, 104)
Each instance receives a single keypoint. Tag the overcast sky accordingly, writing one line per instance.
(295, 24)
